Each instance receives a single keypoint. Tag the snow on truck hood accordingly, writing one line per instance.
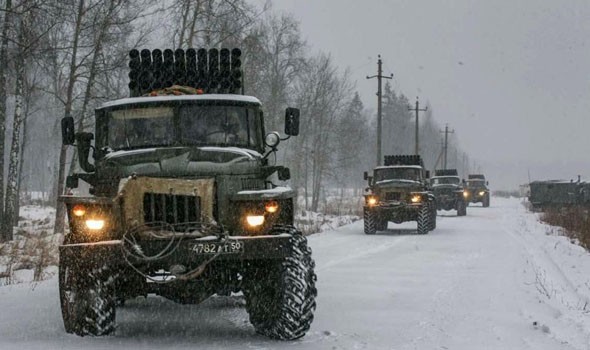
(204, 97)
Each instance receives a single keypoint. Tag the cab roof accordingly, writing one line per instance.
(168, 98)
(398, 166)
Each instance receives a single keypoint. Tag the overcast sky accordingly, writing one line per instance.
(511, 77)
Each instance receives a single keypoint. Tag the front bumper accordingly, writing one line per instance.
(254, 248)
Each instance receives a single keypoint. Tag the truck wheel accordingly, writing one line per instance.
(280, 296)
(381, 225)
(424, 220)
(370, 219)
(433, 218)
(486, 201)
(461, 208)
(87, 299)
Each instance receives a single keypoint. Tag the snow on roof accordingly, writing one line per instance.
(446, 176)
(204, 97)
(279, 189)
(398, 166)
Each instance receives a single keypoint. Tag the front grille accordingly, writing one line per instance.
(393, 196)
(182, 212)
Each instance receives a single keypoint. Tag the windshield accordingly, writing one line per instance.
(397, 174)
(185, 125)
(476, 183)
(450, 180)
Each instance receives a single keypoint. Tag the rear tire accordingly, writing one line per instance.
(424, 220)
(87, 299)
(280, 296)
(461, 208)
(433, 216)
(370, 221)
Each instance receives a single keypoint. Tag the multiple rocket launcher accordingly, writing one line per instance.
(210, 71)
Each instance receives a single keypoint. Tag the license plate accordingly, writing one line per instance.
(233, 247)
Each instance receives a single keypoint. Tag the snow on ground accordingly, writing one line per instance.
(496, 279)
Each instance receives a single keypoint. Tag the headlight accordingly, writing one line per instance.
(79, 210)
(465, 194)
(372, 200)
(271, 207)
(95, 224)
(255, 220)
(272, 139)
(482, 193)
(416, 198)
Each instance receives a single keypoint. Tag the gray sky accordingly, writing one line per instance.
(511, 77)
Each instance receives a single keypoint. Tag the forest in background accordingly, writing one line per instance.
(66, 57)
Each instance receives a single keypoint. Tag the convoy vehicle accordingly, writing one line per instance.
(558, 194)
(185, 200)
(477, 190)
(399, 191)
(449, 191)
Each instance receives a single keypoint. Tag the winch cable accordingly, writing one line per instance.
(137, 253)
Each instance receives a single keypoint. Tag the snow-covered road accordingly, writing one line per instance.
(492, 280)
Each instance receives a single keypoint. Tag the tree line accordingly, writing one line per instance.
(66, 57)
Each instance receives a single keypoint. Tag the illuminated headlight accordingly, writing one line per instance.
(255, 220)
(79, 210)
(271, 207)
(95, 224)
(416, 198)
(482, 193)
(465, 194)
(371, 201)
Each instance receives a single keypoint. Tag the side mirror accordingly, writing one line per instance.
(84, 144)
(284, 174)
(428, 174)
(365, 175)
(292, 121)
(487, 183)
(67, 131)
(72, 181)
(370, 180)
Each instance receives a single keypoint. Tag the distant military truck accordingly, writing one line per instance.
(449, 192)
(477, 190)
(398, 192)
(558, 194)
(184, 201)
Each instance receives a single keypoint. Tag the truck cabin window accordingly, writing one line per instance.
(412, 174)
(451, 180)
(199, 125)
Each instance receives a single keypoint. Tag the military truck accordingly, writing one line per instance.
(448, 190)
(558, 194)
(185, 201)
(477, 190)
(399, 191)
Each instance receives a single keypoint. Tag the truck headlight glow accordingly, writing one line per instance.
(271, 207)
(416, 198)
(465, 194)
(255, 220)
(482, 193)
(79, 210)
(372, 200)
(95, 224)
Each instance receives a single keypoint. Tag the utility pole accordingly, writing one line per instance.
(417, 110)
(379, 76)
(446, 145)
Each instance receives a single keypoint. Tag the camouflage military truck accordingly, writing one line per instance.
(477, 190)
(449, 192)
(558, 194)
(185, 201)
(399, 192)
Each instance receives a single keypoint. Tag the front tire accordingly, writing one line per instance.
(87, 299)
(461, 208)
(370, 221)
(424, 220)
(486, 201)
(280, 295)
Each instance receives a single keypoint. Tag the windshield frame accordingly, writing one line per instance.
(103, 120)
(433, 180)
